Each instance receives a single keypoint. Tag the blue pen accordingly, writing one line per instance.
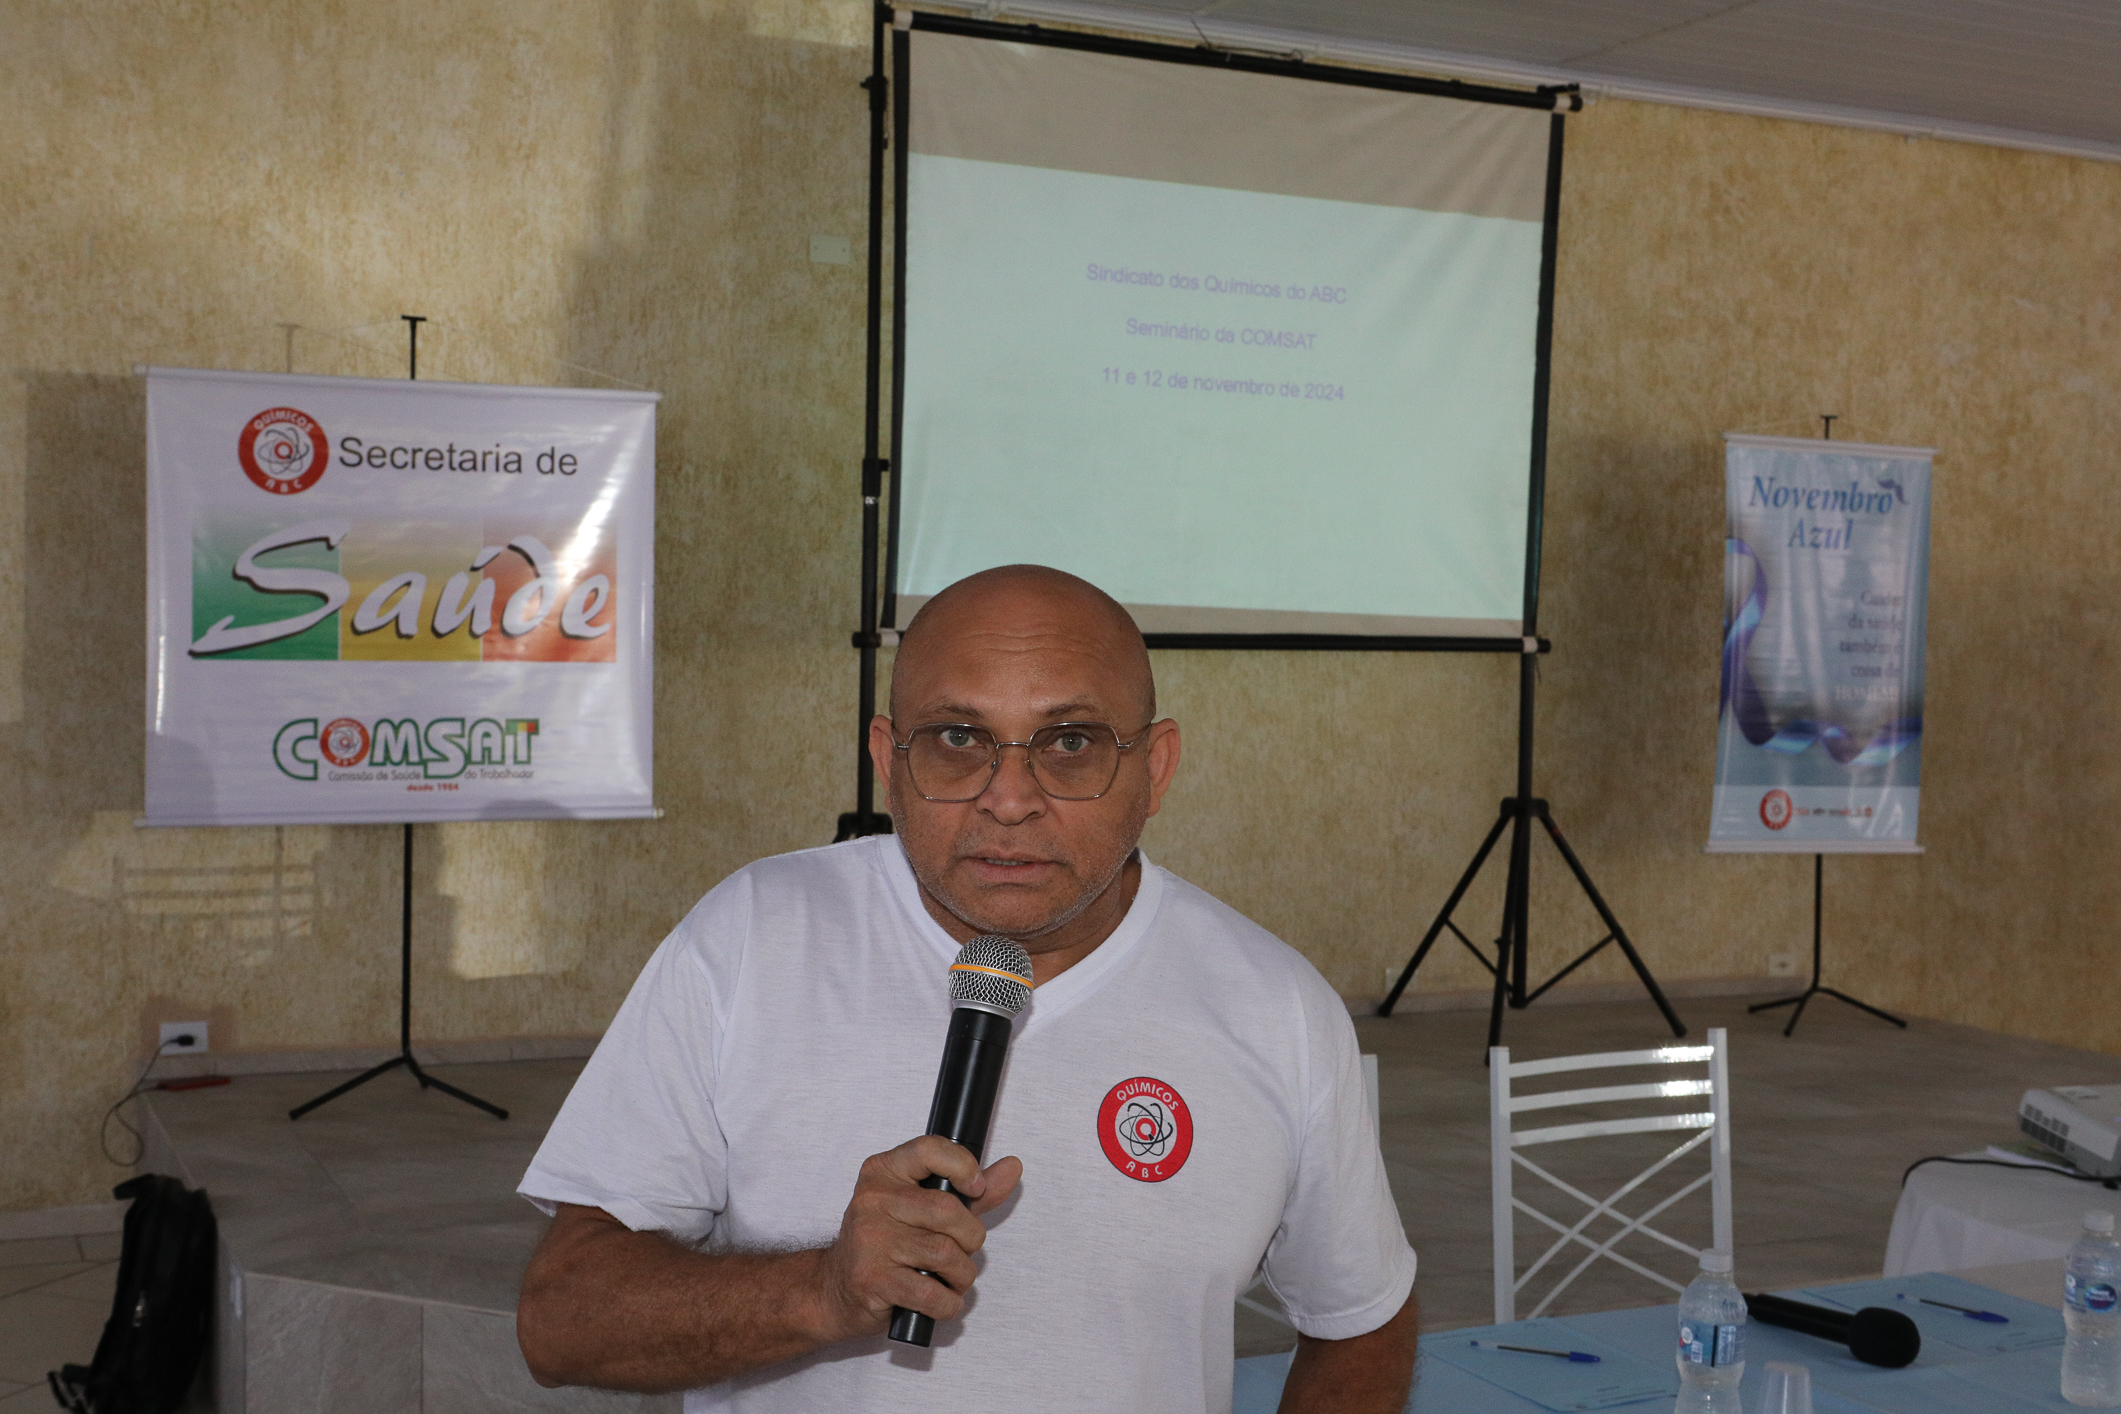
(1967, 1311)
(1581, 1357)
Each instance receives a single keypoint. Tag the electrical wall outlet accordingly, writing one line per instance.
(831, 250)
(1782, 964)
(1391, 976)
(174, 1034)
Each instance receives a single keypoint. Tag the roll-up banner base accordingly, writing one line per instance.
(373, 601)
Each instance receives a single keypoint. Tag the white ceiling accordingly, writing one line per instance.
(2022, 73)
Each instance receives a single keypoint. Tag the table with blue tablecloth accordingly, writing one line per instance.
(1966, 1366)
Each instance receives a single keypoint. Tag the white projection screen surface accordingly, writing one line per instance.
(1256, 354)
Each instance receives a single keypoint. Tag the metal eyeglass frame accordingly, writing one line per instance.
(994, 758)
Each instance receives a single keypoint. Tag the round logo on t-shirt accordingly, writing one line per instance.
(1145, 1128)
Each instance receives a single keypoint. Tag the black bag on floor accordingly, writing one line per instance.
(162, 1313)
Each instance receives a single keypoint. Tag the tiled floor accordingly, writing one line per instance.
(1823, 1126)
(54, 1295)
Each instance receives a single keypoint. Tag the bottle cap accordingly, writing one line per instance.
(2100, 1221)
(1714, 1261)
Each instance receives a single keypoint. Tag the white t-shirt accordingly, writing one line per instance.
(1187, 1102)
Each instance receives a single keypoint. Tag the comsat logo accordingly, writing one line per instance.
(283, 450)
(387, 749)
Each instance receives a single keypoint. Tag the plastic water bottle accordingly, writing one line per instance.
(1711, 1340)
(2091, 1309)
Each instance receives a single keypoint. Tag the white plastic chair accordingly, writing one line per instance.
(1711, 1126)
(1369, 1086)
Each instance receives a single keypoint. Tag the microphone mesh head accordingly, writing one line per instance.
(1879, 1335)
(992, 972)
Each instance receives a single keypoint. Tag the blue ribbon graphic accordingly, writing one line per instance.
(1742, 699)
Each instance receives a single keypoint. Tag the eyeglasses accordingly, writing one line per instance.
(952, 762)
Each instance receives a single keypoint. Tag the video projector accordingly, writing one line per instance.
(2082, 1123)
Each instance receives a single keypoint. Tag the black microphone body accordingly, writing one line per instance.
(974, 1051)
(1876, 1335)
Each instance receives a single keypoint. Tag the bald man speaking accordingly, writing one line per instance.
(736, 1199)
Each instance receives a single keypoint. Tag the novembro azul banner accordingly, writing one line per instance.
(375, 601)
(1826, 580)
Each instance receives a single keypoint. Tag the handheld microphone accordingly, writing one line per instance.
(989, 984)
(1876, 1335)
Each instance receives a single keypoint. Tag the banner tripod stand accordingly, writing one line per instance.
(404, 1056)
(1826, 433)
(1512, 946)
(1802, 998)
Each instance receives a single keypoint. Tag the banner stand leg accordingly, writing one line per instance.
(1802, 998)
(1510, 968)
(404, 1056)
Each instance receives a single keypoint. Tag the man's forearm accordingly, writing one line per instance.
(607, 1306)
(617, 1309)
(1365, 1374)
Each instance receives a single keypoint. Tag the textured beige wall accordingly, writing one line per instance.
(1733, 274)
(580, 189)
(561, 187)
(1730, 273)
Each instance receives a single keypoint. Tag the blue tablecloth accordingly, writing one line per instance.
(1945, 1379)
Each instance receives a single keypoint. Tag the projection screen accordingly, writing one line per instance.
(1257, 354)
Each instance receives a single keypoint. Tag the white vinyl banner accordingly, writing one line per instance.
(380, 601)
(1819, 748)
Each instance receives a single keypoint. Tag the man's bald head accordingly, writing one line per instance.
(1007, 653)
(1027, 609)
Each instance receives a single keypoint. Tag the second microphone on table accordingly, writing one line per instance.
(989, 984)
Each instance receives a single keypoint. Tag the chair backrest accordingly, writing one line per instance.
(1710, 1125)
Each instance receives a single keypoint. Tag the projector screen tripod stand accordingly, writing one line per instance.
(1511, 965)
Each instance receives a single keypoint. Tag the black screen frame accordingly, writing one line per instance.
(1555, 100)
